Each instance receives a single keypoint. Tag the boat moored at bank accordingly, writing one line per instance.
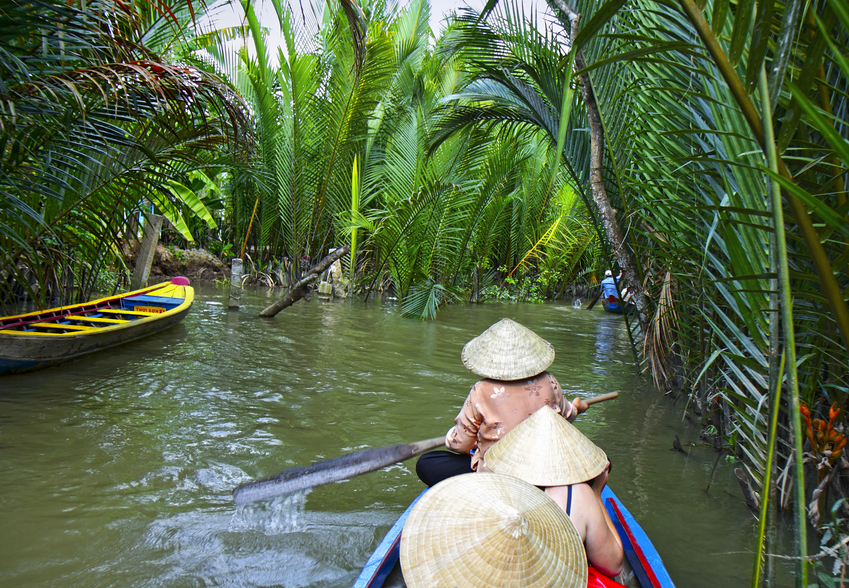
(55, 336)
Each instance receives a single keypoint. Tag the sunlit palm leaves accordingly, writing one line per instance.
(435, 224)
(515, 96)
(93, 122)
(315, 103)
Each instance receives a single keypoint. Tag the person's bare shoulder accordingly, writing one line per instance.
(586, 499)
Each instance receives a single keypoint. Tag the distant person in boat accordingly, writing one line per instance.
(608, 284)
(608, 287)
(512, 359)
(550, 453)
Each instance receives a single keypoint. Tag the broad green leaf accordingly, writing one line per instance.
(807, 76)
(760, 40)
(783, 50)
(169, 211)
(190, 199)
(720, 10)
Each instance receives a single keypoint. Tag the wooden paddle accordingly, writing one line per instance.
(597, 296)
(343, 467)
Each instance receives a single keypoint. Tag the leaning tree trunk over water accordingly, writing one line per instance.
(297, 291)
(599, 193)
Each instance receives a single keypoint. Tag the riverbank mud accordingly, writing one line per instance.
(198, 265)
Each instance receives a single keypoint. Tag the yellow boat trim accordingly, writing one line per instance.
(168, 290)
(65, 309)
(58, 326)
(94, 319)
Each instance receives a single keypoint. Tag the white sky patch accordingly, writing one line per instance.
(439, 9)
(229, 13)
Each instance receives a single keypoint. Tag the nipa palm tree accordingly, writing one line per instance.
(94, 123)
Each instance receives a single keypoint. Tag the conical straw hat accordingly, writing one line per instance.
(508, 351)
(546, 450)
(485, 530)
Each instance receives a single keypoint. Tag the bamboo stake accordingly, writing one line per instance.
(355, 208)
(248, 234)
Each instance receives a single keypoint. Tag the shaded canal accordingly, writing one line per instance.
(117, 470)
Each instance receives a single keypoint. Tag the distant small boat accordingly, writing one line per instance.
(50, 337)
(612, 304)
(642, 567)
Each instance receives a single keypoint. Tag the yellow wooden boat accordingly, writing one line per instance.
(58, 335)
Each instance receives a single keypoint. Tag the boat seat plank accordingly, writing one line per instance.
(153, 300)
(35, 318)
(97, 319)
(67, 327)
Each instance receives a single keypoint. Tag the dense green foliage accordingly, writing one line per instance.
(724, 154)
(436, 223)
(94, 124)
(687, 108)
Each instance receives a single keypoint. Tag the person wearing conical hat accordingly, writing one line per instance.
(551, 453)
(513, 361)
(480, 531)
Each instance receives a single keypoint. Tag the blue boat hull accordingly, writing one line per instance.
(615, 307)
(648, 568)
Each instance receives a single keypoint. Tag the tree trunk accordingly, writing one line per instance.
(297, 291)
(608, 215)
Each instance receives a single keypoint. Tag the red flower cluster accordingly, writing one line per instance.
(822, 435)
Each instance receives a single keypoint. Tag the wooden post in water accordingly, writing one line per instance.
(148, 247)
(235, 283)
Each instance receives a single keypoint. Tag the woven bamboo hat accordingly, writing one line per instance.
(546, 450)
(508, 351)
(485, 530)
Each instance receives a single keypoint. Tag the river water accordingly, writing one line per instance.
(117, 470)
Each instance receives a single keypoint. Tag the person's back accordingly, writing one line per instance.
(494, 407)
(608, 285)
(583, 503)
(512, 360)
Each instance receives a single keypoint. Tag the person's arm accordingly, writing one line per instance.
(603, 545)
(568, 410)
(463, 436)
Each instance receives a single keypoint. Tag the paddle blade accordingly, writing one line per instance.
(331, 470)
(597, 296)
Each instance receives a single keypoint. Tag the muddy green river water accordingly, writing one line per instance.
(117, 470)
